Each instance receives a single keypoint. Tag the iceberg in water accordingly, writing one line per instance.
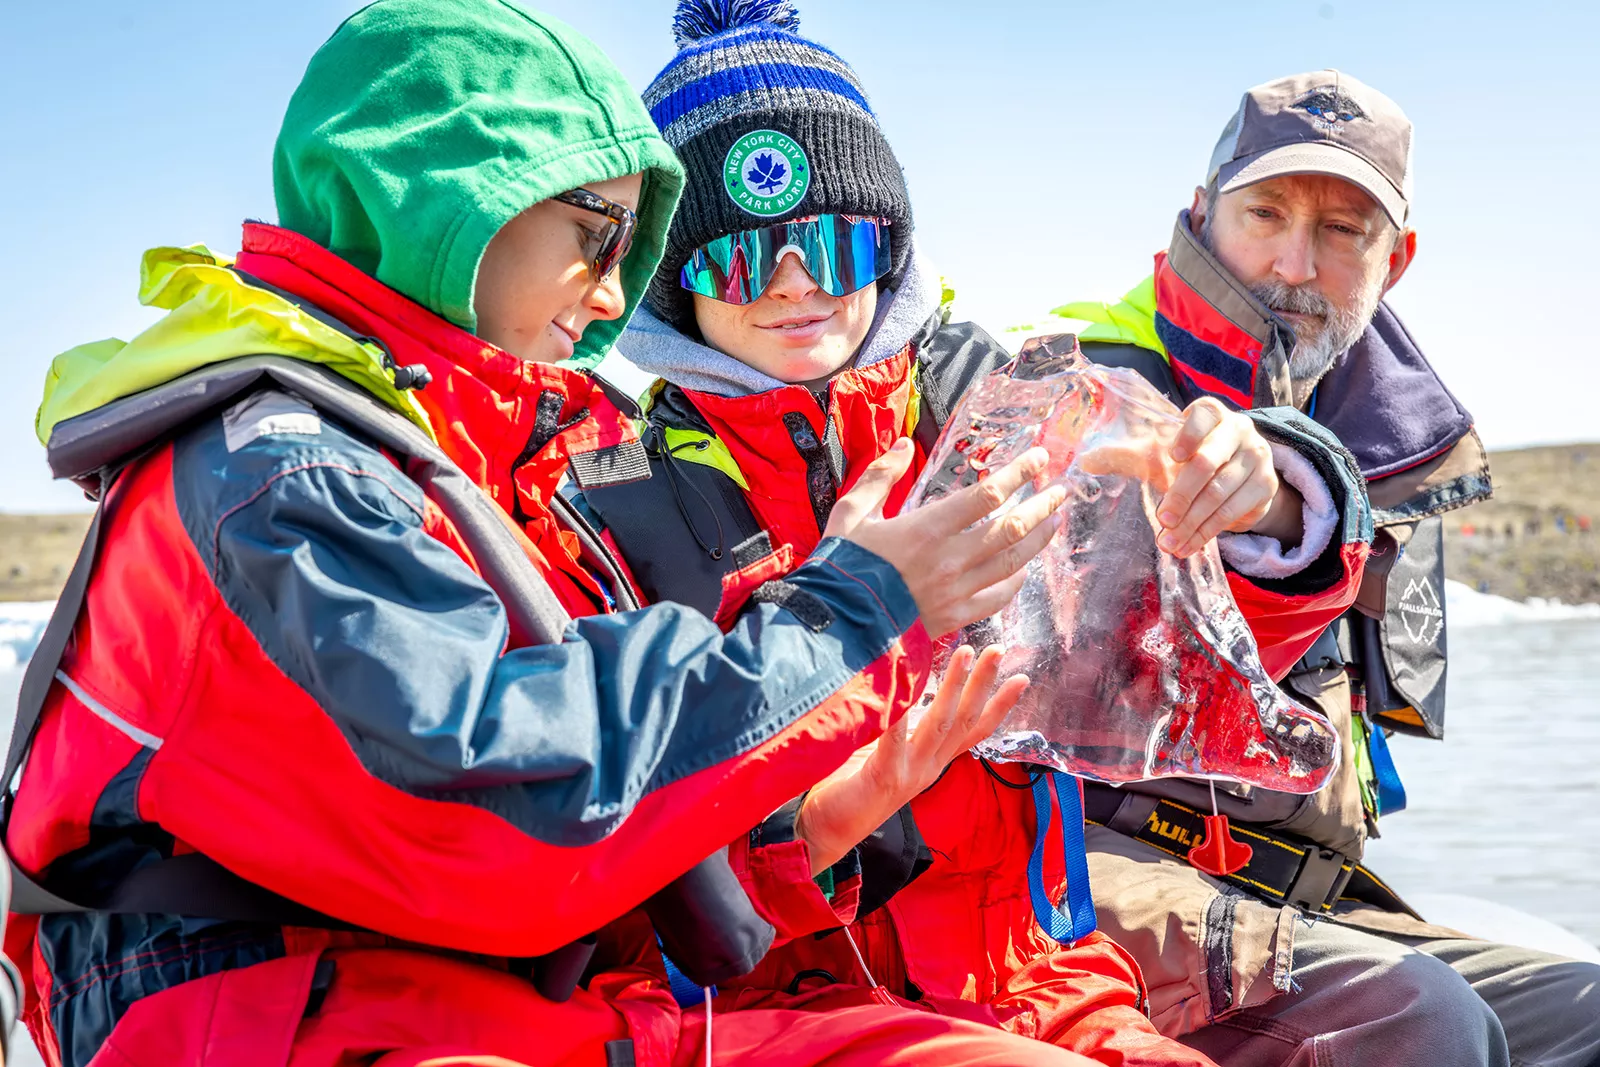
(1466, 607)
(21, 627)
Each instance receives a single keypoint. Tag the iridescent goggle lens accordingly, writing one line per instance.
(842, 253)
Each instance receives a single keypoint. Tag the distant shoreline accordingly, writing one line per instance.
(1537, 537)
(36, 553)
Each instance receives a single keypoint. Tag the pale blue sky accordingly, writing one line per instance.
(1048, 148)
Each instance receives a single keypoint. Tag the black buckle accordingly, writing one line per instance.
(1323, 874)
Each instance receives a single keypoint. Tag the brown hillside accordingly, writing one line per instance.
(36, 552)
(1537, 536)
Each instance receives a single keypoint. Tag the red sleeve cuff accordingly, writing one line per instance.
(775, 869)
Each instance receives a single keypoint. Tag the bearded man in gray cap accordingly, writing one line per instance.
(1271, 294)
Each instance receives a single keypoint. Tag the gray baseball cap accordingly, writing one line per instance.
(1324, 122)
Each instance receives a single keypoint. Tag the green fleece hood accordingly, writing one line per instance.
(424, 126)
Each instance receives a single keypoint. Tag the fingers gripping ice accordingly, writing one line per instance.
(1141, 664)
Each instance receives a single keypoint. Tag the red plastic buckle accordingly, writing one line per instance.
(1220, 853)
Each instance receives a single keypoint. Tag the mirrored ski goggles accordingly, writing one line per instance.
(842, 253)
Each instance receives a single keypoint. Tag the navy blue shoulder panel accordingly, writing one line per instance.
(229, 462)
(316, 542)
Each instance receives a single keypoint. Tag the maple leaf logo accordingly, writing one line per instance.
(766, 172)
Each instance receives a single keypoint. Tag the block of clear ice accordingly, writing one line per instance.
(1142, 665)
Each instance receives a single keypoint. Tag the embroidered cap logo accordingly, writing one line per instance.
(766, 173)
(1329, 108)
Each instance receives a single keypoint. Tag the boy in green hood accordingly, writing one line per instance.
(347, 733)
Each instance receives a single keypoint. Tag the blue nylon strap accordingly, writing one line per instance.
(684, 991)
(1391, 791)
(1079, 920)
(1075, 856)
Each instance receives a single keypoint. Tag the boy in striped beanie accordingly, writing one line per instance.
(770, 127)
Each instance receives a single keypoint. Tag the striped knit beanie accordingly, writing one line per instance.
(769, 126)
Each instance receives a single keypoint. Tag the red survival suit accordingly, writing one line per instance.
(962, 937)
(287, 661)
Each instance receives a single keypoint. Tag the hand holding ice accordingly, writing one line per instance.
(1142, 665)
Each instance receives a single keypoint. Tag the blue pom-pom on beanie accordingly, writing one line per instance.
(698, 19)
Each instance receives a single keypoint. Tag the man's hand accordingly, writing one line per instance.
(958, 573)
(844, 808)
(1223, 481)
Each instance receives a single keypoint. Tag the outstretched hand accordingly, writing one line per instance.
(844, 808)
(958, 568)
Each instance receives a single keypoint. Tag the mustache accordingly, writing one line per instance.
(1301, 299)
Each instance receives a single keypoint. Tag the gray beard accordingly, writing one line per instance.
(1317, 346)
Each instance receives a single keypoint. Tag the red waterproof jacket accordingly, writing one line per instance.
(962, 937)
(288, 661)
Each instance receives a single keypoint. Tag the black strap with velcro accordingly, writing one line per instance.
(1283, 869)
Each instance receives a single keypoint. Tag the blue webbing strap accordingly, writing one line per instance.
(684, 991)
(1079, 919)
(1391, 791)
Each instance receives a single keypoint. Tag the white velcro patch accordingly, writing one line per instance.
(268, 413)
